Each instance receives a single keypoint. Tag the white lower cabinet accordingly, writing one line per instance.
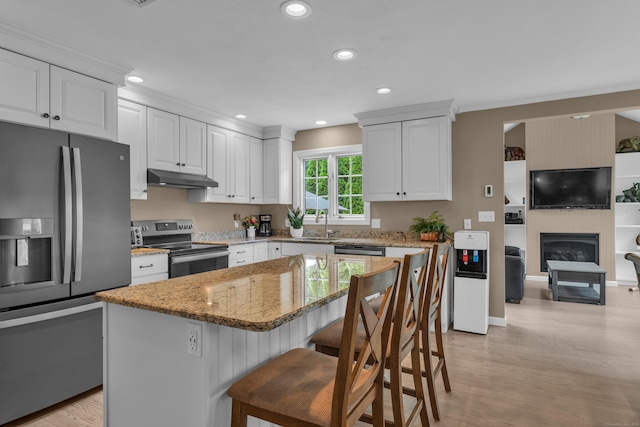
(395, 252)
(241, 254)
(275, 250)
(149, 268)
(260, 251)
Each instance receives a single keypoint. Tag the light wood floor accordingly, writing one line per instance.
(555, 364)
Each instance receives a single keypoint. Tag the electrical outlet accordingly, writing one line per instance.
(486, 216)
(467, 224)
(287, 223)
(375, 223)
(194, 339)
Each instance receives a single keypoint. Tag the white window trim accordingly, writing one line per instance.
(298, 188)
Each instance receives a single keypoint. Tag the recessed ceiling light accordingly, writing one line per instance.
(344, 54)
(240, 116)
(383, 90)
(295, 9)
(321, 122)
(582, 116)
(135, 79)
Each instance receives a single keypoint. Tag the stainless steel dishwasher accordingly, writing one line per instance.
(360, 250)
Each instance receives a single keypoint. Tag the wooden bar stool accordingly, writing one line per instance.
(405, 340)
(433, 317)
(303, 387)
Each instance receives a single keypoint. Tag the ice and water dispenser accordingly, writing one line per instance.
(471, 282)
(25, 251)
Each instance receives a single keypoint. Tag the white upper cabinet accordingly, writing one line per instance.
(426, 159)
(256, 188)
(278, 171)
(408, 160)
(80, 104)
(176, 144)
(407, 153)
(382, 162)
(193, 146)
(228, 164)
(163, 140)
(132, 130)
(239, 173)
(35, 93)
(24, 89)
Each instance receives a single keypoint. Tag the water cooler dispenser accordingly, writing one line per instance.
(471, 282)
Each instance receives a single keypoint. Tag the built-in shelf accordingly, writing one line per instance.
(627, 216)
(515, 192)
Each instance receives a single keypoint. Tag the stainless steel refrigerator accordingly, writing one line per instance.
(64, 235)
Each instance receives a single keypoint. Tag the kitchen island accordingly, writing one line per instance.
(173, 348)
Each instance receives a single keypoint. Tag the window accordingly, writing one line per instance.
(329, 180)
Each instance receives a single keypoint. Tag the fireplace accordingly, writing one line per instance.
(583, 247)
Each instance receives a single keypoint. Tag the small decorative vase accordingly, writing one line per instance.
(296, 232)
(251, 233)
(429, 237)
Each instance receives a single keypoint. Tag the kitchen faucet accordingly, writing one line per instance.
(326, 219)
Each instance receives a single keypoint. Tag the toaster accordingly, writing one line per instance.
(136, 237)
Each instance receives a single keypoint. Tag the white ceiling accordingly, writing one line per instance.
(243, 56)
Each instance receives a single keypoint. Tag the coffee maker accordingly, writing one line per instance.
(265, 225)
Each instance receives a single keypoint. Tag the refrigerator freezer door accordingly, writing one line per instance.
(31, 187)
(103, 232)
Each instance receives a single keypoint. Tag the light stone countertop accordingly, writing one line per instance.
(256, 297)
(386, 242)
(135, 252)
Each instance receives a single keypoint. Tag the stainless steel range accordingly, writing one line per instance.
(185, 256)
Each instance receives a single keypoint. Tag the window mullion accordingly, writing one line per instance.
(333, 186)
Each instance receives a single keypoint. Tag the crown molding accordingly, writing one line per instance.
(447, 108)
(38, 47)
(161, 101)
(280, 131)
(549, 98)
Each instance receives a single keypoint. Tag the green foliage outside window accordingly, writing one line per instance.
(348, 181)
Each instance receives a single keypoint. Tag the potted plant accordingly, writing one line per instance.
(432, 228)
(296, 218)
(250, 223)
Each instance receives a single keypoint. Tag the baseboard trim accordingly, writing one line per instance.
(498, 321)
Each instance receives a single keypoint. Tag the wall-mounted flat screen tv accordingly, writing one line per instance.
(587, 188)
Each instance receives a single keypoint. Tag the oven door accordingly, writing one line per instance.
(182, 265)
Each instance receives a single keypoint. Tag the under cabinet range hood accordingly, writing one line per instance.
(178, 180)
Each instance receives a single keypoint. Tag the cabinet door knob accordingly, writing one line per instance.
(253, 198)
(184, 164)
(45, 115)
(398, 193)
(178, 164)
(56, 117)
(404, 193)
(233, 195)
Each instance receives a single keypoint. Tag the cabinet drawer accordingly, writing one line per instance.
(148, 265)
(240, 261)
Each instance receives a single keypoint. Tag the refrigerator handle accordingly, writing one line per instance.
(68, 224)
(77, 176)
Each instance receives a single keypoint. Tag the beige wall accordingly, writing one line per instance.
(172, 203)
(478, 153)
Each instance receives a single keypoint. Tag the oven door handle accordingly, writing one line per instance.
(199, 257)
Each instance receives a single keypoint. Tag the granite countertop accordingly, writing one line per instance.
(387, 242)
(147, 251)
(256, 297)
